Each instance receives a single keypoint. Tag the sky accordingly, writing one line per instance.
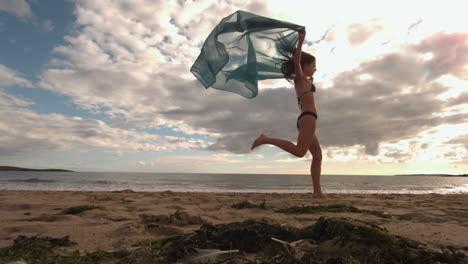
(105, 86)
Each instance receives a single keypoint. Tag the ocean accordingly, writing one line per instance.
(195, 182)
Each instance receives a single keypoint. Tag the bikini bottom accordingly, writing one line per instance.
(304, 114)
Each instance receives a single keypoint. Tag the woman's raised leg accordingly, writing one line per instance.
(304, 140)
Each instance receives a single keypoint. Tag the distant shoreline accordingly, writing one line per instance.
(10, 168)
(438, 175)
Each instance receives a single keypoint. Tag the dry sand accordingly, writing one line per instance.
(432, 219)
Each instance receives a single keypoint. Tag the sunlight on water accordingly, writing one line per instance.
(457, 189)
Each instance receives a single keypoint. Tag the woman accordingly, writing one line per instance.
(301, 69)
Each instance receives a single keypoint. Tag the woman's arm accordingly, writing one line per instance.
(297, 56)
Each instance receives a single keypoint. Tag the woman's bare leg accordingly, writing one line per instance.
(285, 145)
(316, 166)
(304, 139)
(307, 140)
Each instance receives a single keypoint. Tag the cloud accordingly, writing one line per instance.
(19, 8)
(397, 102)
(47, 25)
(396, 156)
(450, 54)
(194, 164)
(22, 10)
(12, 101)
(124, 61)
(360, 33)
(461, 140)
(125, 57)
(9, 77)
(27, 133)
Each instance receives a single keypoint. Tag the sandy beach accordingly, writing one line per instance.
(118, 220)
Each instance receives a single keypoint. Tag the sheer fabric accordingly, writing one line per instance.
(243, 49)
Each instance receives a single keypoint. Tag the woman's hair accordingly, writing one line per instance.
(287, 66)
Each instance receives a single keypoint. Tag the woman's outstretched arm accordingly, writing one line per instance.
(297, 56)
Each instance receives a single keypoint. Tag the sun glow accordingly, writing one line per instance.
(457, 86)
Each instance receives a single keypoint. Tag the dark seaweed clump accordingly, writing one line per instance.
(42, 250)
(78, 209)
(249, 204)
(328, 241)
(334, 208)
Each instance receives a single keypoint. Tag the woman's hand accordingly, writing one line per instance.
(302, 35)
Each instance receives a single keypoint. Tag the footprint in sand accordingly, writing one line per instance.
(44, 218)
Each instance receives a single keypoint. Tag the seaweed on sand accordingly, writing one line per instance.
(149, 252)
(250, 236)
(34, 248)
(370, 243)
(334, 208)
(79, 209)
(328, 241)
(250, 204)
(42, 250)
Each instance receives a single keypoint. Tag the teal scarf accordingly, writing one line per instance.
(242, 49)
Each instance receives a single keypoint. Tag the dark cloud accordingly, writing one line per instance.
(18, 146)
(460, 99)
(236, 119)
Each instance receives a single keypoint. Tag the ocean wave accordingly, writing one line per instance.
(31, 180)
(104, 182)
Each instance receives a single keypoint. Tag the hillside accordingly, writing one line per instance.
(10, 168)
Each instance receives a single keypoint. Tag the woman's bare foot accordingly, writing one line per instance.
(259, 141)
(318, 195)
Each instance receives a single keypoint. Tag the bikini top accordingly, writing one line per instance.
(312, 89)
